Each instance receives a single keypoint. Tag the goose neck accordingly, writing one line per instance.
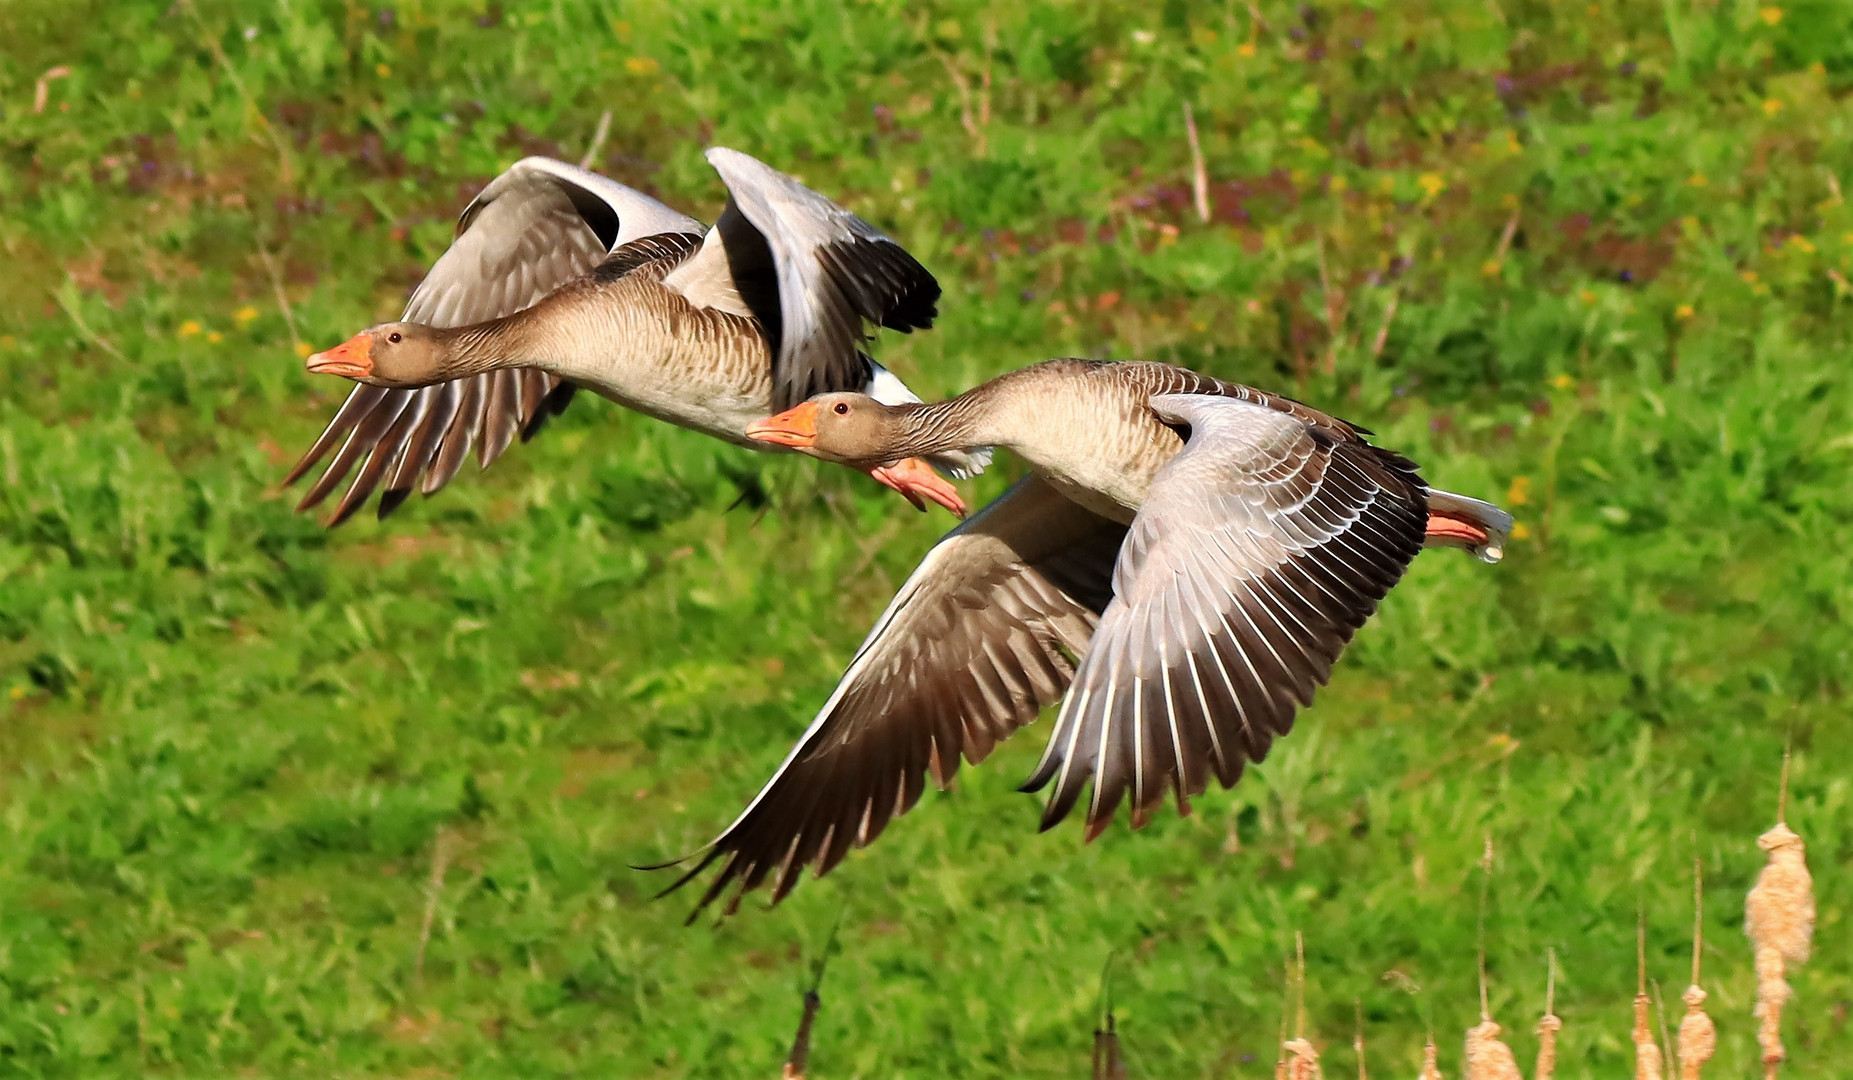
(958, 423)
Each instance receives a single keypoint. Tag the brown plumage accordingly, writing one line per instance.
(560, 278)
(1205, 549)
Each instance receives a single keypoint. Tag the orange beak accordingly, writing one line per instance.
(352, 358)
(795, 427)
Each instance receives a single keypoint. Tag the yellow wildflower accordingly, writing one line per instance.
(1509, 201)
(1490, 268)
(1771, 15)
(1563, 382)
(16, 692)
(1245, 49)
(244, 314)
(382, 71)
(1749, 276)
(1520, 492)
(1519, 531)
(1432, 183)
(215, 337)
(1801, 244)
(1587, 296)
(1338, 184)
(641, 65)
(1683, 311)
(191, 328)
(1696, 180)
(303, 349)
(1771, 106)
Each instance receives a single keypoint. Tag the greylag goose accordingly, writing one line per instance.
(560, 278)
(1205, 549)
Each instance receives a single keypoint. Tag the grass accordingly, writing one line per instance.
(1591, 260)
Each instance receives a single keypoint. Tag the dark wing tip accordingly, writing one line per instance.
(347, 508)
(391, 499)
(550, 406)
(304, 464)
(889, 286)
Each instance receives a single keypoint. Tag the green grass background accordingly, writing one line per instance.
(232, 743)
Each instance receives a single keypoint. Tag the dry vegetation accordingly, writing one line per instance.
(1779, 919)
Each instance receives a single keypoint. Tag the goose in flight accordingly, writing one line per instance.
(1180, 571)
(560, 278)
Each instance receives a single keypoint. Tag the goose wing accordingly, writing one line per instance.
(973, 646)
(536, 227)
(816, 276)
(1262, 547)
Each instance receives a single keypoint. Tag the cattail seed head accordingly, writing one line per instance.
(1648, 1064)
(1489, 1058)
(1772, 992)
(1698, 1036)
(1431, 1068)
(1302, 1060)
(1548, 1027)
(1779, 918)
(1779, 913)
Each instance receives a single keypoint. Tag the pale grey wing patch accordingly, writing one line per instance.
(706, 278)
(1261, 549)
(973, 646)
(818, 277)
(539, 225)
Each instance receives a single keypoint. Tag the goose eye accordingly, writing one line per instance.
(842, 408)
(393, 337)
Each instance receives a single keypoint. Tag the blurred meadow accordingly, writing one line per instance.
(276, 800)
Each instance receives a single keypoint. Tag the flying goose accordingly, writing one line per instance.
(1204, 550)
(561, 278)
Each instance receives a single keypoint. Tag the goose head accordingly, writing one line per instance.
(858, 431)
(391, 354)
(844, 427)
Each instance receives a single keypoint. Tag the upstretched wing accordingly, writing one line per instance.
(970, 649)
(815, 275)
(536, 227)
(1262, 547)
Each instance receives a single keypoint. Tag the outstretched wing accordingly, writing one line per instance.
(971, 649)
(815, 275)
(1262, 547)
(536, 227)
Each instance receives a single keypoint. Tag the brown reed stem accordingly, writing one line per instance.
(1548, 1024)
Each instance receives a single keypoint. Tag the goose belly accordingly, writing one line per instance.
(716, 387)
(1115, 497)
(1103, 463)
(713, 407)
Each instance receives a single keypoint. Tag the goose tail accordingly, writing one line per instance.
(1474, 525)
